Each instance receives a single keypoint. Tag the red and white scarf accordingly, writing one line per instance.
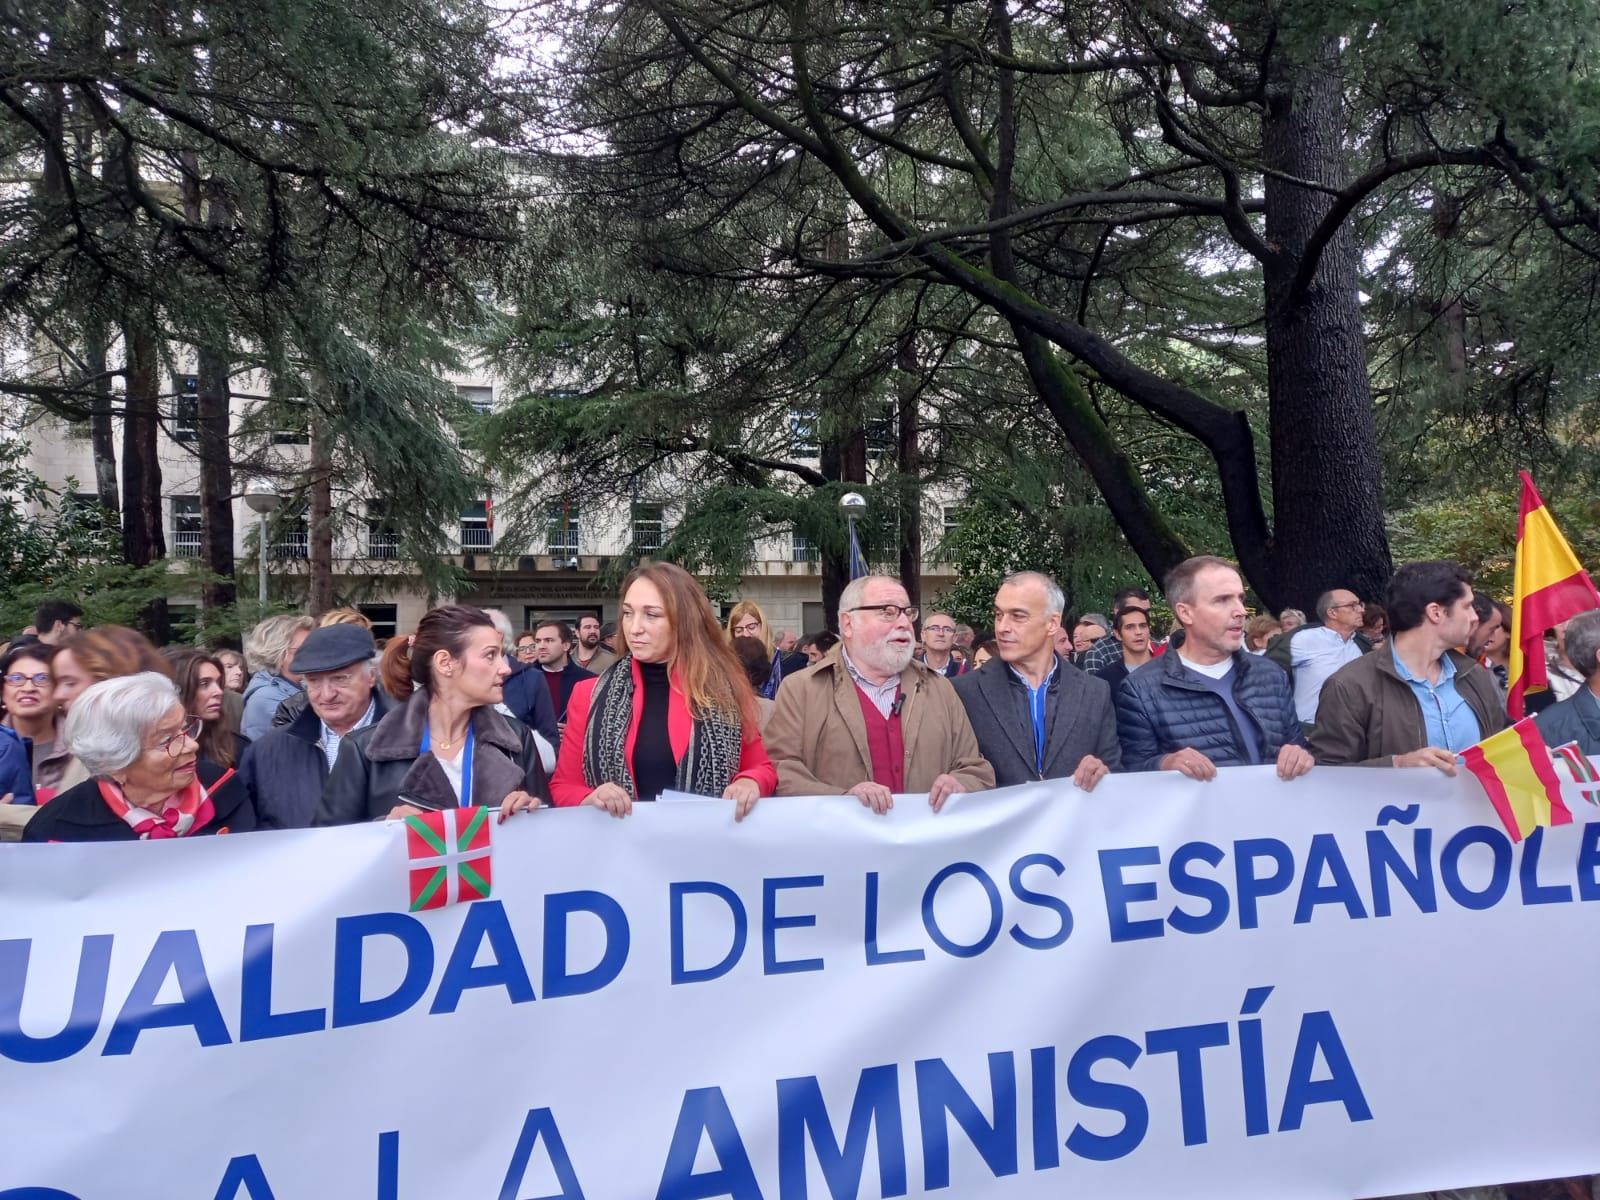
(186, 811)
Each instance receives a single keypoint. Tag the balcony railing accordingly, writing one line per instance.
(186, 543)
(476, 537)
(294, 543)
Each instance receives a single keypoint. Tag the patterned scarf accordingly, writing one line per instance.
(186, 811)
(707, 767)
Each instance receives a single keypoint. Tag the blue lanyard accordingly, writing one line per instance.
(466, 761)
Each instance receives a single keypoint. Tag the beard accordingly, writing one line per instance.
(886, 657)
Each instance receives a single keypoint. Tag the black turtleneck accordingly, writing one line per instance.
(654, 768)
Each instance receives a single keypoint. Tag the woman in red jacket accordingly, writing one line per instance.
(674, 712)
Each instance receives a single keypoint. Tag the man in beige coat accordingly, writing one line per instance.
(869, 721)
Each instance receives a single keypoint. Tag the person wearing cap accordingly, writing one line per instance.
(285, 769)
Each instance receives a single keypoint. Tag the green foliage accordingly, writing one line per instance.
(1480, 532)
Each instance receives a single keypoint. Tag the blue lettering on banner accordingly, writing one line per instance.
(1251, 887)
(1450, 866)
(244, 1174)
(1184, 1043)
(771, 923)
(1043, 900)
(558, 980)
(176, 952)
(485, 921)
(704, 1113)
(930, 919)
(803, 1120)
(1213, 891)
(1109, 1096)
(540, 1124)
(88, 1002)
(257, 1021)
(1120, 893)
(682, 973)
(350, 936)
(875, 956)
(939, 1094)
(1589, 862)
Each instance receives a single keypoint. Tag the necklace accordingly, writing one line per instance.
(448, 746)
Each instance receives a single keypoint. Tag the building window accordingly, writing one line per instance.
(649, 528)
(476, 533)
(186, 412)
(291, 421)
(291, 533)
(951, 515)
(883, 430)
(803, 442)
(385, 619)
(383, 539)
(561, 528)
(186, 526)
(801, 549)
(480, 399)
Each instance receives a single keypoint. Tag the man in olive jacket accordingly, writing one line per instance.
(1418, 701)
(868, 720)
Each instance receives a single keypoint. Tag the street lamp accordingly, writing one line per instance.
(853, 503)
(262, 497)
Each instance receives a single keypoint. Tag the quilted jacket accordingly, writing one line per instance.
(1160, 709)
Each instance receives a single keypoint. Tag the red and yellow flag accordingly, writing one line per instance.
(1551, 585)
(1516, 770)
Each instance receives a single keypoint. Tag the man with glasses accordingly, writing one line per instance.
(868, 720)
(1418, 702)
(938, 639)
(1312, 653)
(285, 768)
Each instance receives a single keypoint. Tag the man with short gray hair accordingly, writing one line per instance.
(285, 769)
(868, 720)
(1577, 719)
(1036, 715)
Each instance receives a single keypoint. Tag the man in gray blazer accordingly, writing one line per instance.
(1036, 715)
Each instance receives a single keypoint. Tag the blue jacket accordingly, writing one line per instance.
(1160, 709)
(16, 767)
(262, 695)
(528, 698)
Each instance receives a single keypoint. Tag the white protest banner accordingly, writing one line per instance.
(1350, 985)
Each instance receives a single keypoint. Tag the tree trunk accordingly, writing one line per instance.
(1326, 474)
(143, 537)
(102, 432)
(320, 594)
(909, 461)
(213, 424)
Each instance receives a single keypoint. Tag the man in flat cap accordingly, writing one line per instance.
(285, 768)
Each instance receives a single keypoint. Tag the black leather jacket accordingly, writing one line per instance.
(379, 762)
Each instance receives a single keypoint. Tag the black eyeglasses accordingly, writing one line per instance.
(889, 612)
(40, 680)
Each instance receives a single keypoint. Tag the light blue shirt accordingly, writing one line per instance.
(330, 740)
(1450, 722)
(1317, 653)
(1037, 696)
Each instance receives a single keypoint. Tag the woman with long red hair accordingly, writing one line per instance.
(675, 712)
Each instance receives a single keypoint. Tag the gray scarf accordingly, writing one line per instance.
(707, 767)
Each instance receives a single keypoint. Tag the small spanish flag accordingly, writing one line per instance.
(1516, 770)
(1551, 585)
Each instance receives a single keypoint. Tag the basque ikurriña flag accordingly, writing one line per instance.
(1517, 772)
(451, 854)
(1585, 783)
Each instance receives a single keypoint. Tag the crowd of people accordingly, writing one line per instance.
(112, 738)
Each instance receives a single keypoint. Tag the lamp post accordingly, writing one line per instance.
(853, 503)
(262, 497)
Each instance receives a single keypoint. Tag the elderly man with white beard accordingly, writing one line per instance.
(868, 720)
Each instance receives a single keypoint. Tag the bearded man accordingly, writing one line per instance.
(868, 720)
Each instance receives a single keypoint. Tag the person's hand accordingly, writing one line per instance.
(874, 796)
(8, 798)
(746, 793)
(401, 811)
(1190, 762)
(516, 802)
(612, 798)
(1294, 761)
(944, 786)
(1428, 756)
(1090, 772)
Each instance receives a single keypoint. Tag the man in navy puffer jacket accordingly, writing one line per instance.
(1209, 704)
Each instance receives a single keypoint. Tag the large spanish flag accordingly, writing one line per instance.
(1551, 585)
(1517, 771)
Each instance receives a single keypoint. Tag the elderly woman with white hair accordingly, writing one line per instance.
(147, 781)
